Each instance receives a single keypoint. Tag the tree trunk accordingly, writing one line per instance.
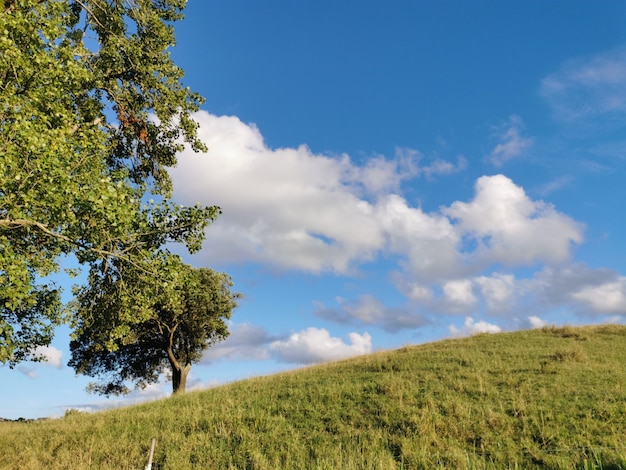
(179, 377)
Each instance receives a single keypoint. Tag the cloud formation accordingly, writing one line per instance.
(472, 327)
(46, 356)
(245, 342)
(309, 346)
(511, 142)
(589, 89)
(286, 207)
(535, 322)
(555, 185)
(512, 229)
(458, 295)
(587, 290)
(584, 290)
(293, 209)
(368, 310)
(50, 355)
(608, 297)
(29, 372)
(315, 345)
(497, 290)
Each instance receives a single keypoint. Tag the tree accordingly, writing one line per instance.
(183, 312)
(92, 112)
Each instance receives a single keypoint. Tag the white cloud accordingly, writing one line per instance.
(49, 355)
(406, 165)
(314, 345)
(497, 290)
(294, 209)
(414, 291)
(583, 290)
(245, 342)
(555, 286)
(420, 293)
(286, 207)
(368, 310)
(471, 327)
(512, 229)
(609, 297)
(380, 175)
(535, 322)
(428, 241)
(46, 356)
(444, 167)
(511, 142)
(311, 345)
(589, 89)
(458, 295)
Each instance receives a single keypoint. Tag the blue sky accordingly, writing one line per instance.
(392, 173)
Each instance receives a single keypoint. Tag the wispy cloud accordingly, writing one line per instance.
(555, 185)
(245, 342)
(368, 310)
(29, 372)
(511, 142)
(590, 89)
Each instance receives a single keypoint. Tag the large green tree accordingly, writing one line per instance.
(119, 340)
(92, 113)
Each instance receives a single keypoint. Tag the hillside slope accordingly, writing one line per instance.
(551, 398)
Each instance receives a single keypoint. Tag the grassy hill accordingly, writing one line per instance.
(551, 398)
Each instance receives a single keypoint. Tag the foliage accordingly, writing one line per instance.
(179, 315)
(92, 112)
(484, 402)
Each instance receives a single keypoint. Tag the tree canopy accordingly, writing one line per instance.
(119, 340)
(92, 113)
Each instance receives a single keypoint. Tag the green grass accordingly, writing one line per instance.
(551, 398)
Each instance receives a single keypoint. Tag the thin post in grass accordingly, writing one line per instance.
(152, 444)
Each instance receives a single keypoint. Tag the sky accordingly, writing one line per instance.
(391, 173)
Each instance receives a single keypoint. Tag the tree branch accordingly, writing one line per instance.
(90, 13)
(12, 224)
(170, 348)
(95, 122)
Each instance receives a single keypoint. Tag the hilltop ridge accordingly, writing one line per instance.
(549, 398)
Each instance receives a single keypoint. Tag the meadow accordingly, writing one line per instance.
(550, 398)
